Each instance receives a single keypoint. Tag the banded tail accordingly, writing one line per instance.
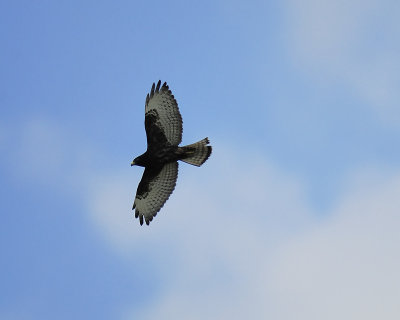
(196, 153)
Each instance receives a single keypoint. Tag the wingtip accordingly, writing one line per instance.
(164, 87)
(152, 90)
(158, 85)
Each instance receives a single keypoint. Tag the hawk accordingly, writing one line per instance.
(163, 125)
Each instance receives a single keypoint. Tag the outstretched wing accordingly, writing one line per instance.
(163, 121)
(154, 190)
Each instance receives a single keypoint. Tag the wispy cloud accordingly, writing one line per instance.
(243, 241)
(347, 266)
(227, 194)
(344, 266)
(238, 238)
(354, 42)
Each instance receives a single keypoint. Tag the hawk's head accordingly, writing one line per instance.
(139, 161)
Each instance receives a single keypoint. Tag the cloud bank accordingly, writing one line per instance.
(238, 238)
(284, 262)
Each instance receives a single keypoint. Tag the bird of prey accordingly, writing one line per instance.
(163, 125)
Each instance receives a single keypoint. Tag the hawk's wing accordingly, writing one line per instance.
(163, 121)
(154, 190)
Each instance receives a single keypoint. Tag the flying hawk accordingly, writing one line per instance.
(163, 124)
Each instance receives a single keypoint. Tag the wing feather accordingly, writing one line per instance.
(154, 190)
(163, 121)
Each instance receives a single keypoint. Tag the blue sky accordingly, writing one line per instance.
(294, 216)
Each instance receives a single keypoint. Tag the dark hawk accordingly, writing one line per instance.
(163, 124)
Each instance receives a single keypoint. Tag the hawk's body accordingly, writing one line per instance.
(163, 124)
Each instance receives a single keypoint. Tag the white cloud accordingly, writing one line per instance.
(247, 245)
(223, 193)
(347, 267)
(342, 267)
(327, 31)
(238, 240)
(219, 228)
(354, 42)
(40, 150)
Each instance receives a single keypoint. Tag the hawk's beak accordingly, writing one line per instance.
(133, 163)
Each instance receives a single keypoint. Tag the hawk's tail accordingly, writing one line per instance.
(196, 153)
